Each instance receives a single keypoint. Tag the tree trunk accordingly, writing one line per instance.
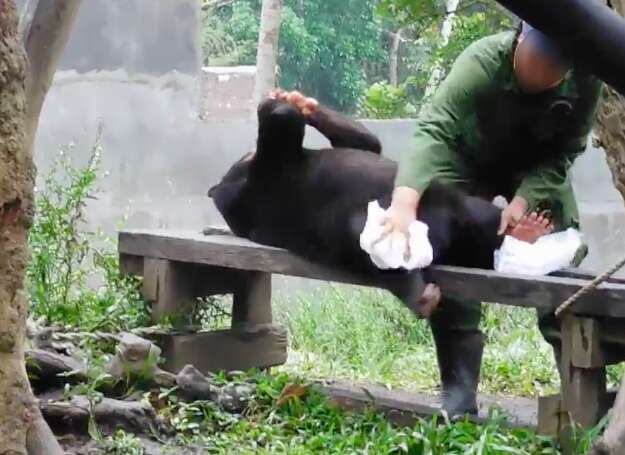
(610, 130)
(394, 58)
(16, 211)
(22, 428)
(267, 57)
(448, 24)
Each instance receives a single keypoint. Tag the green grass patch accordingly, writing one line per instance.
(367, 335)
(311, 424)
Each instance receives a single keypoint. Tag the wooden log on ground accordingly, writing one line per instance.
(403, 408)
(110, 415)
(47, 369)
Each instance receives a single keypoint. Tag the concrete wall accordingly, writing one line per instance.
(137, 73)
(227, 93)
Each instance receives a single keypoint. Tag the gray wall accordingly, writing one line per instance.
(136, 71)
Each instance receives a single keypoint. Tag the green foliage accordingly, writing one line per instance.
(122, 443)
(475, 19)
(383, 101)
(67, 259)
(308, 423)
(466, 30)
(367, 335)
(412, 13)
(217, 45)
(319, 51)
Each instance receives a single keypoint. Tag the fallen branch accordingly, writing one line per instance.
(45, 39)
(110, 415)
(47, 369)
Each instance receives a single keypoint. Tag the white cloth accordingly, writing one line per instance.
(550, 253)
(394, 250)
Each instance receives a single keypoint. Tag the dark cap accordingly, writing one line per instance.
(543, 44)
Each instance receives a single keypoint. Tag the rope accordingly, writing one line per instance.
(590, 287)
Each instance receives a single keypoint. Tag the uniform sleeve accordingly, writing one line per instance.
(547, 181)
(433, 153)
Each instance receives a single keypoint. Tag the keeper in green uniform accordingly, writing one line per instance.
(509, 120)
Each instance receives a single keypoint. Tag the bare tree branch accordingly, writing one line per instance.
(45, 41)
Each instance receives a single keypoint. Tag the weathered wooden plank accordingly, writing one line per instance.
(233, 252)
(240, 349)
(228, 252)
(584, 275)
(587, 352)
(544, 292)
(583, 389)
(403, 407)
(132, 265)
(252, 300)
(612, 341)
(549, 411)
(549, 415)
(565, 273)
(169, 286)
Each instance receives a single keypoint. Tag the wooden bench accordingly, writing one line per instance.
(180, 266)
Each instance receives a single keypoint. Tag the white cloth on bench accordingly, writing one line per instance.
(550, 253)
(395, 250)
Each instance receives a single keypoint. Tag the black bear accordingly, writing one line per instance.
(314, 202)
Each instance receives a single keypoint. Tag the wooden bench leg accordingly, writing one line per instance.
(131, 265)
(252, 300)
(583, 378)
(549, 415)
(169, 286)
(253, 341)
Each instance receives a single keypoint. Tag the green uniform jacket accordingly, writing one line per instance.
(450, 138)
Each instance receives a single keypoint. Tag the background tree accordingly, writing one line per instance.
(439, 32)
(45, 30)
(267, 55)
(339, 51)
(327, 47)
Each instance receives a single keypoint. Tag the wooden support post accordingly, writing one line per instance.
(252, 300)
(549, 415)
(583, 389)
(131, 265)
(586, 348)
(168, 285)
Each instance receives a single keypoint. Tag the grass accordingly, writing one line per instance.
(363, 334)
(308, 423)
(367, 335)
